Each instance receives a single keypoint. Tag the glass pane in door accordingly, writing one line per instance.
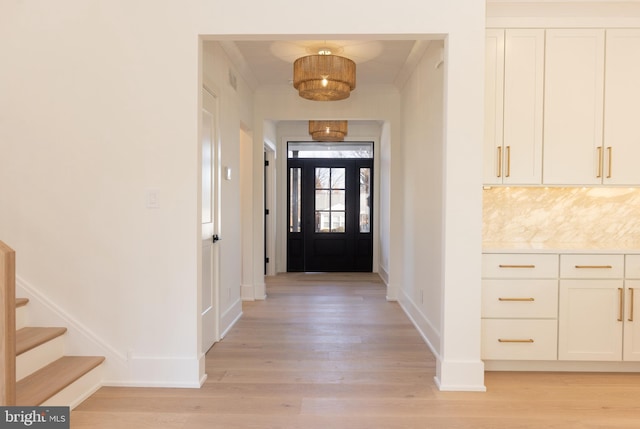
(365, 200)
(295, 195)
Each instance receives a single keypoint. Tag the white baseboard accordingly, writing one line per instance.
(560, 365)
(428, 333)
(460, 375)
(384, 275)
(230, 317)
(150, 371)
(247, 293)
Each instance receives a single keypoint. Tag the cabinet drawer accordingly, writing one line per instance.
(591, 266)
(520, 339)
(523, 299)
(632, 267)
(519, 265)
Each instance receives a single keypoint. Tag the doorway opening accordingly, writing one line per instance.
(329, 206)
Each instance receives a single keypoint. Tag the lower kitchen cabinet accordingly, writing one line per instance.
(631, 347)
(519, 339)
(590, 321)
(596, 304)
(561, 307)
(519, 306)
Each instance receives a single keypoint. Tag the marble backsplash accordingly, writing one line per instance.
(562, 217)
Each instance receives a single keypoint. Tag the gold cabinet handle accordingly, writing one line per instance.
(621, 299)
(516, 299)
(630, 319)
(516, 266)
(599, 162)
(508, 173)
(499, 172)
(593, 266)
(508, 340)
(610, 150)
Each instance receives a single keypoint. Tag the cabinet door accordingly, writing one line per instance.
(574, 81)
(621, 108)
(590, 320)
(631, 350)
(514, 61)
(493, 106)
(523, 97)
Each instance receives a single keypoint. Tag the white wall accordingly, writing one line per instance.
(423, 214)
(100, 103)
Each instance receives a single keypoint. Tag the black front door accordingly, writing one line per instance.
(330, 215)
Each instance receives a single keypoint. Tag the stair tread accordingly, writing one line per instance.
(51, 379)
(21, 302)
(31, 337)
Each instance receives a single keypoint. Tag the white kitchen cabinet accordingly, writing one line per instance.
(493, 105)
(513, 106)
(631, 348)
(519, 306)
(591, 307)
(573, 111)
(590, 324)
(621, 145)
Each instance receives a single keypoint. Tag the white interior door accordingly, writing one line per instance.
(209, 231)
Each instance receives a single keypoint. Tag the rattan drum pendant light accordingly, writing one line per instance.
(328, 131)
(324, 77)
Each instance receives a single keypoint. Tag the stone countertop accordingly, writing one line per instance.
(556, 247)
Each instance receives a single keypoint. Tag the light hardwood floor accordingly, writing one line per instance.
(327, 351)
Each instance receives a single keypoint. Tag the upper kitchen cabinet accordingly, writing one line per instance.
(513, 110)
(621, 145)
(573, 112)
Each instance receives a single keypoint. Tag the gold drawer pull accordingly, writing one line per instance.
(516, 299)
(594, 266)
(516, 266)
(506, 340)
(630, 319)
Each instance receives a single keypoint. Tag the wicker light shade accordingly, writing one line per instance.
(328, 131)
(324, 77)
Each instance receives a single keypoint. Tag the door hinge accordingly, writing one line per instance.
(266, 163)
(266, 260)
(266, 211)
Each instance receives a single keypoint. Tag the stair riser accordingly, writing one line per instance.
(78, 391)
(36, 358)
(21, 317)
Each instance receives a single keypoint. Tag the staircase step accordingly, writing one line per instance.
(21, 312)
(29, 338)
(53, 378)
(30, 361)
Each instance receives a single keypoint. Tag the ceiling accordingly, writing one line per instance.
(270, 62)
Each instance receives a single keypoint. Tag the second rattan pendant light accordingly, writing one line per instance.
(328, 131)
(324, 77)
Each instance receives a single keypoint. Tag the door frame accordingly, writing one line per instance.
(214, 308)
(281, 178)
(356, 165)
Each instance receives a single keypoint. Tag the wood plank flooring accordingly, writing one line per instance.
(328, 351)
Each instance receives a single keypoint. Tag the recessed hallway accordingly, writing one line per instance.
(328, 351)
